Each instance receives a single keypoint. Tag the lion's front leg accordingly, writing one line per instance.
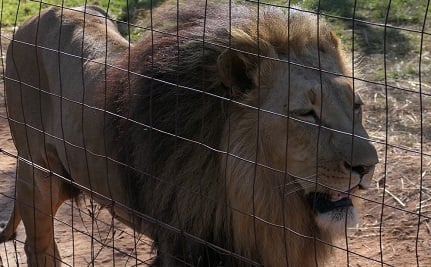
(38, 198)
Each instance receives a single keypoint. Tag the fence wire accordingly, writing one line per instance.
(130, 104)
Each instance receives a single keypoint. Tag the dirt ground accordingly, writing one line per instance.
(389, 234)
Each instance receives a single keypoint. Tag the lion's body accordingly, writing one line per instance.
(175, 134)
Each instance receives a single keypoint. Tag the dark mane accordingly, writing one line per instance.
(174, 94)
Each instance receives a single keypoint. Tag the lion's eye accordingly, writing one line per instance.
(308, 115)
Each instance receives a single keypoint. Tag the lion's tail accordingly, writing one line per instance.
(7, 230)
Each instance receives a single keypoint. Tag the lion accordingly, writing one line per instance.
(231, 137)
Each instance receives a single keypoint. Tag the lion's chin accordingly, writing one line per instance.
(333, 216)
(336, 221)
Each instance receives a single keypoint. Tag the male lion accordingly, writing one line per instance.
(230, 142)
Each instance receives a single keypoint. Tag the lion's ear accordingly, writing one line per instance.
(335, 40)
(234, 71)
(238, 67)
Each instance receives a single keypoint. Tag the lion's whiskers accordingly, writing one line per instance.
(294, 185)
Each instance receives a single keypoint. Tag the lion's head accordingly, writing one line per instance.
(301, 122)
(302, 115)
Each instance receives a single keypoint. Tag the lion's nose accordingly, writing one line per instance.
(360, 169)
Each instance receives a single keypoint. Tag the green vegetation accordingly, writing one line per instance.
(28, 8)
(400, 11)
(14, 12)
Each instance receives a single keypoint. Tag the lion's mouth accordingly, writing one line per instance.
(325, 202)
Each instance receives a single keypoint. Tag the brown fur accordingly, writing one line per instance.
(216, 179)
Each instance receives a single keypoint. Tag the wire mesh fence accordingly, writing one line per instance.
(215, 133)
